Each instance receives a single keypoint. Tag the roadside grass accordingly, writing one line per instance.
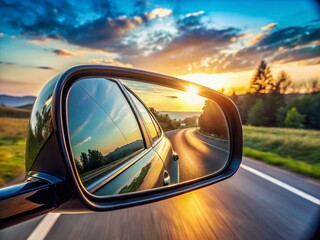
(293, 149)
(12, 148)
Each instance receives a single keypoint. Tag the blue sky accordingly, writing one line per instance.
(216, 43)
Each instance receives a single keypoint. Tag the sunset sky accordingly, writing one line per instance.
(215, 43)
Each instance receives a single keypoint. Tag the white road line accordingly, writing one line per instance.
(273, 180)
(282, 184)
(43, 228)
(227, 151)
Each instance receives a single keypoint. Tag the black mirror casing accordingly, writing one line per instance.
(55, 168)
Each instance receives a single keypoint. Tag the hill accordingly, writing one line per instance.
(11, 112)
(16, 101)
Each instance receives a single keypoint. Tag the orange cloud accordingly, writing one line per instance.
(256, 38)
(111, 62)
(269, 26)
(63, 52)
(158, 12)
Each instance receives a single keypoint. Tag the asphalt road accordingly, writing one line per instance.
(259, 202)
(196, 157)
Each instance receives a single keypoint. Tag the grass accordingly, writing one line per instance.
(12, 148)
(294, 149)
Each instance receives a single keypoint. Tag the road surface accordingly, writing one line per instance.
(198, 155)
(259, 202)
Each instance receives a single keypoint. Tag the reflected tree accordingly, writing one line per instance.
(212, 122)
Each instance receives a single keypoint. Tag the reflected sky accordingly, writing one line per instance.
(164, 98)
(99, 117)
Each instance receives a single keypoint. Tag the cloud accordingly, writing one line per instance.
(103, 33)
(1, 34)
(182, 44)
(269, 26)
(158, 12)
(256, 38)
(63, 52)
(45, 68)
(83, 141)
(195, 14)
(290, 37)
(195, 48)
(111, 62)
(298, 54)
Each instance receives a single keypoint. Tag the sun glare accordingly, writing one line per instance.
(191, 99)
(192, 91)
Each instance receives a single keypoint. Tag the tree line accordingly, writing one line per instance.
(267, 102)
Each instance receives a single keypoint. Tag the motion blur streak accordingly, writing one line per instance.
(41, 231)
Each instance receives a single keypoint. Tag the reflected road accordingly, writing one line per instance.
(244, 206)
(196, 157)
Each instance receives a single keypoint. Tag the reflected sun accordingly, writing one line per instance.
(192, 91)
(191, 99)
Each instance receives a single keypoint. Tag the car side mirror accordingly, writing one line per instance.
(104, 137)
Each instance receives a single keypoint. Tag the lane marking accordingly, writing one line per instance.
(227, 151)
(282, 184)
(43, 228)
(273, 180)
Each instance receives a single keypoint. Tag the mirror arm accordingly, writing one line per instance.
(26, 200)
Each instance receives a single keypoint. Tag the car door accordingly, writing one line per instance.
(160, 142)
(104, 125)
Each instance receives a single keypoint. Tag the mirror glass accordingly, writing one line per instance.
(129, 136)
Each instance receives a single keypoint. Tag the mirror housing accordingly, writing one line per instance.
(53, 166)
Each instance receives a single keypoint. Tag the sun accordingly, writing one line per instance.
(191, 100)
(192, 91)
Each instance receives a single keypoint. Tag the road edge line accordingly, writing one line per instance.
(227, 151)
(282, 184)
(43, 228)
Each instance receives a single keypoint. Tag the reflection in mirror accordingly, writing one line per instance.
(129, 136)
(195, 126)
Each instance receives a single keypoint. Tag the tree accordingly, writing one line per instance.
(212, 121)
(262, 81)
(309, 106)
(283, 82)
(294, 119)
(165, 121)
(312, 85)
(234, 97)
(85, 162)
(256, 114)
(96, 158)
(281, 115)
(190, 121)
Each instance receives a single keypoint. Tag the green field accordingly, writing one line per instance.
(294, 149)
(12, 148)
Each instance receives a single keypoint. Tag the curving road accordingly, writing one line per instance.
(258, 202)
(198, 155)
